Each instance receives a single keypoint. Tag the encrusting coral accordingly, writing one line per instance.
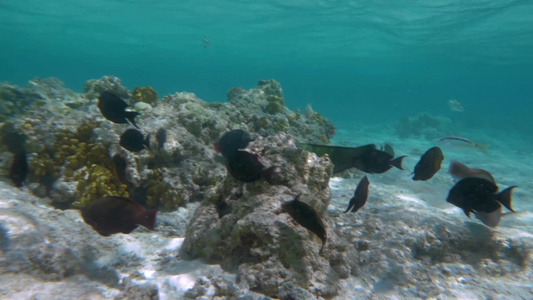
(144, 94)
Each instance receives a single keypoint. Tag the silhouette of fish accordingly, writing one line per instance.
(119, 167)
(247, 167)
(478, 195)
(429, 164)
(230, 143)
(161, 137)
(372, 160)
(341, 157)
(113, 108)
(14, 141)
(458, 141)
(306, 216)
(110, 215)
(461, 171)
(134, 141)
(19, 168)
(360, 195)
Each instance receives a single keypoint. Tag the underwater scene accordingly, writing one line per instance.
(254, 150)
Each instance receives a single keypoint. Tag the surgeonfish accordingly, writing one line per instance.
(229, 144)
(481, 197)
(110, 215)
(113, 108)
(246, 166)
(134, 141)
(375, 161)
(360, 196)
(19, 168)
(463, 142)
(306, 216)
(429, 164)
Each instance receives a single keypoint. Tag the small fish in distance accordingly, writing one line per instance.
(110, 215)
(429, 164)
(247, 167)
(360, 195)
(231, 142)
(113, 108)
(480, 196)
(134, 141)
(375, 161)
(19, 168)
(460, 171)
(306, 216)
(461, 142)
(161, 137)
(455, 105)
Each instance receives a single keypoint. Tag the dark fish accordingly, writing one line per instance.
(461, 171)
(247, 167)
(110, 215)
(113, 108)
(134, 141)
(359, 196)
(14, 141)
(388, 148)
(306, 216)
(373, 160)
(341, 157)
(478, 195)
(19, 168)
(230, 143)
(429, 164)
(161, 137)
(119, 167)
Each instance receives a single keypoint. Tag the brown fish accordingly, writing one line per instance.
(429, 164)
(110, 215)
(461, 171)
(306, 216)
(19, 168)
(246, 166)
(360, 195)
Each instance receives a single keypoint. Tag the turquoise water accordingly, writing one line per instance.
(370, 61)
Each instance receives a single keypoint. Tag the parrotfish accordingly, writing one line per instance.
(110, 215)
(306, 216)
(360, 196)
(113, 108)
(134, 141)
(429, 164)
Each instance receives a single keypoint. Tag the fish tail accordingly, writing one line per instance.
(349, 206)
(397, 162)
(482, 148)
(505, 197)
(147, 142)
(322, 248)
(130, 115)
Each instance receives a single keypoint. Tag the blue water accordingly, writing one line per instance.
(370, 61)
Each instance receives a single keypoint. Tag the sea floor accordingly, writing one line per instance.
(395, 200)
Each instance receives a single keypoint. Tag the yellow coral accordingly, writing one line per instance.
(144, 94)
(95, 182)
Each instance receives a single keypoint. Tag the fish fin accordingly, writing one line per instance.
(147, 142)
(505, 197)
(458, 169)
(467, 212)
(482, 148)
(322, 248)
(130, 115)
(216, 146)
(397, 162)
(350, 205)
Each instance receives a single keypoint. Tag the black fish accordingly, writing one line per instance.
(230, 143)
(306, 216)
(114, 109)
(461, 171)
(341, 157)
(114, 214)
(119, 167)
(373, 160)
(359, 196)
(14, 141)
(161, 137)
(478, 195)
(134, 141)
(387, 148)
(247, 167)
(19, 168)
(429, 164)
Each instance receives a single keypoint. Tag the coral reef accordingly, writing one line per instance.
(424, 125)
(241, 226)
(144, 94)
(94, 87)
